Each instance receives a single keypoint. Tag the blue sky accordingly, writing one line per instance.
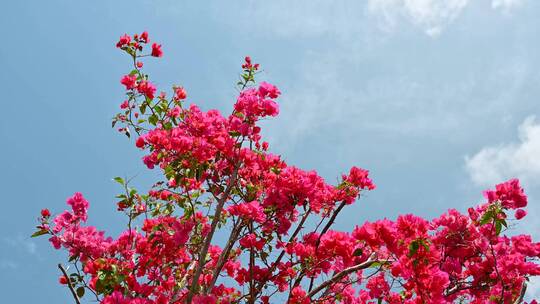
(437, 98)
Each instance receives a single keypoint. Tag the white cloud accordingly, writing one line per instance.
(430, 15)
(348, 20)
(506, 5)
(521, 159)
(495, 164)
(533, 288)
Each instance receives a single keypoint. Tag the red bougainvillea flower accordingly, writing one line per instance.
(156, 50)
(229, 222)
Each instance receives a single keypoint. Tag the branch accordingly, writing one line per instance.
(343, 273)
(224, 255)
(251, 299)
(522, 294)
(325, 229)
(69, 284)
(330, 221)
(282, 254)
(208, 240)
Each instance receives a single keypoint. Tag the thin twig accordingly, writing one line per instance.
(282, 254)
(343, 273)
(69, 284)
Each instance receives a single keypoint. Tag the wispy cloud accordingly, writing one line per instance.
(20, 243)
(348, 20)
(8, 265)
(519, 159)
(506, 5)
(401, 102)
(432, 16)
(293, 19)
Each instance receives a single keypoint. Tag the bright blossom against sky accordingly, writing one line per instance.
(436, 98)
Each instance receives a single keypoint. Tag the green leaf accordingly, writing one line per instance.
(413, 247)
(101, 276)
(99, 286)
(275, 170)
(486, 218)
(158, 109)
(153, 119)
(358, 252)
(498, 227)
(80, 292)
(425, 245)
(119, 180)
(40, 232)
(234, 133)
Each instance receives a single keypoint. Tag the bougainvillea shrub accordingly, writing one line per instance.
(274, 220)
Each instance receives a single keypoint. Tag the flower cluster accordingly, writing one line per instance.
(273, 220)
